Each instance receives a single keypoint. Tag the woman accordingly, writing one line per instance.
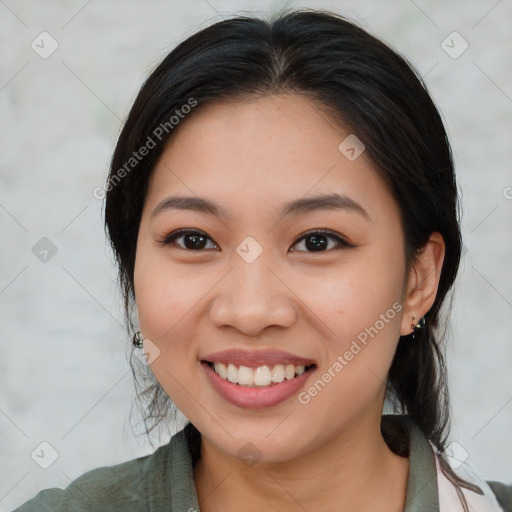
(283, 208)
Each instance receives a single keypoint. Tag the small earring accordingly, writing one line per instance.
(138, 339)
(417, 326)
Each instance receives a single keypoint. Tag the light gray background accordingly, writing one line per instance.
(64, 373)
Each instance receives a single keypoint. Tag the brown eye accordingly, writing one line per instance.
(314, 241)
(318, 241)
(192, 240)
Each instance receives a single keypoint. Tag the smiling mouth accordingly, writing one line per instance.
(259, 377)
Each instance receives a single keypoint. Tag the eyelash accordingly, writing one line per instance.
(342, 243)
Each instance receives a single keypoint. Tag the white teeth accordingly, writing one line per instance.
(289, 371)
(245, 376)
(232, 375)
(221, 369)
(278, 373)
(261, 376)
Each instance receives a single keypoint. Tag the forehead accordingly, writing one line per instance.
(260, 153)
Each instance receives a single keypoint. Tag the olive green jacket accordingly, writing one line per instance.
(163, 482)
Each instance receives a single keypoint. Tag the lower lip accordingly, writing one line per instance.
(254, 397)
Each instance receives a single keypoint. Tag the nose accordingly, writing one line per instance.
(252, 297)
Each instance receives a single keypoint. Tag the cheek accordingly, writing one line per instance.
(355, 297)
(171, 299)
(361, 306)
(165, 301)
(160, 293)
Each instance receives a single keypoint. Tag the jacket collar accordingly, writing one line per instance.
(422, 493)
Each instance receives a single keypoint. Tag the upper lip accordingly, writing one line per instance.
(256, 358)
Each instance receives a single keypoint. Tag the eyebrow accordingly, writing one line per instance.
(300, 206)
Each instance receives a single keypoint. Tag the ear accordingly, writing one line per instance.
(423, 282)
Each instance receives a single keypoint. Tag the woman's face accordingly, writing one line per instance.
(251, 282)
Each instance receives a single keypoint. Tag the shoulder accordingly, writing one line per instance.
(430, 487)
(503, 493)
(120, 487)
(129, 486)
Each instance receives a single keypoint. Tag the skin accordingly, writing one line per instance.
(250, 156)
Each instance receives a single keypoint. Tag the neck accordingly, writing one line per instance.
(355, 470)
